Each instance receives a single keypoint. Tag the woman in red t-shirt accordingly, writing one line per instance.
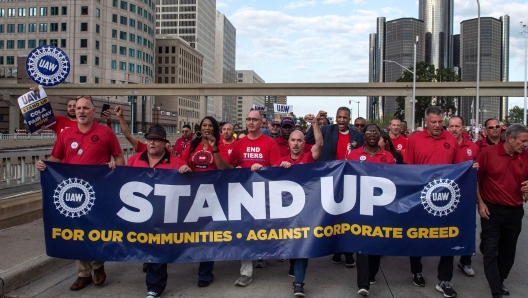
(367, 265)
(203, 155)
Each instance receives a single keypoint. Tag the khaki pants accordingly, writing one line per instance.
(85, 267)
(246, 268)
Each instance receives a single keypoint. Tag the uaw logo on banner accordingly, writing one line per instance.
(48, 65)
(74, 197)
(440, 197)
(36, 108)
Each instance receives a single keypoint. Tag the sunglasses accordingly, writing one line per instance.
(84, 96)
(359, 125)
(494, 126)
(371, 132)
(253, 119)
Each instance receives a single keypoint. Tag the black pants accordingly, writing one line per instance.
(374, 265)
(498, 242)
(156, 277)
(362, 265)
(445, 267)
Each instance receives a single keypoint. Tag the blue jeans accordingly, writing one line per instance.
(156, 278)
(205, 271)
(300, 270)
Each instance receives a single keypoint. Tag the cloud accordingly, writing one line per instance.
(220, 5)
(298, 4)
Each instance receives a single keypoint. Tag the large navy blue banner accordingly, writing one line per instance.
(139, 214)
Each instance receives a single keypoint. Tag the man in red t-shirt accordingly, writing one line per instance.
(86, 143)
(184, 141)
(433, 146)
(227, 142)
(254, 151)
(398, 140)
(287, 127)
(502, 189)
(298, 156)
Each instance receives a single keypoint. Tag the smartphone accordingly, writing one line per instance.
(106, 107)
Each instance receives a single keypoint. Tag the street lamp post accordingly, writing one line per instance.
(414, 83)
(525, 33)
(478, 67)
(356, 101)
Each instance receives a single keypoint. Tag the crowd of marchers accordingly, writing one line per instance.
(499, 157)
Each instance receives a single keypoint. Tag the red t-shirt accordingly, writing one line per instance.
(468, 150)
(199, 160)
(95, 147)
(284, 147)
(343, 142)
(61, 123)
(304, 158)
(383, 156)
(225, 150)
(181, 144)
(500, 175)
(168, 161)
(400, 143)
(262, 150)
(422, 148)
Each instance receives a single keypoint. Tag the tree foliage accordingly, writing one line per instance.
(515, 115)
(427, 73)
(384, 122)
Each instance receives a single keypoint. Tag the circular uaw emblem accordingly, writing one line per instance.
(440, 197)
(74, 197)
(74, 145)
(400, 147)
(362, 158)
(48, 65)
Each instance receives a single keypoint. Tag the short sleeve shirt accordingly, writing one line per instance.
(422, 148)
(468, 150)
(96, 146)
(383, 156)
(61, 123)
(225, 150)
(263, 150)
(400, 143)
(304, 158)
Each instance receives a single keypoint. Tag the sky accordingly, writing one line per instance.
(326, 41)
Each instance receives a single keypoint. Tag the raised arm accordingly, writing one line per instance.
(124, 127)
(318, 135)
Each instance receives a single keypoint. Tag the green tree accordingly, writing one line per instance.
(515, 115)
(427, 73)
(384, 122)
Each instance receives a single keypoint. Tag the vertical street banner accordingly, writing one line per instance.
(285, 109)
(36, 109)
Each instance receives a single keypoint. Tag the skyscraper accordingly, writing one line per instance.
(245, 103)
(225, 72)
(438, 20)
(494, 53)
(376, 56)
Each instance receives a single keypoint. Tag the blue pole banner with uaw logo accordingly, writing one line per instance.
(156, 215)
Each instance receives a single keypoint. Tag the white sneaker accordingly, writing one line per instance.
(363, 292)
(468, 271)
(243, 280)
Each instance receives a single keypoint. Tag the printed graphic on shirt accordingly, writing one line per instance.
(202, 159)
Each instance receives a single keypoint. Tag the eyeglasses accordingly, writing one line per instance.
(253, 119)
(494, 126)
(372, 132)
(84, 96)
(155, 140)
(359, 125)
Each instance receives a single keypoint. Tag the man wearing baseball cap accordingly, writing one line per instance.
(287, 126)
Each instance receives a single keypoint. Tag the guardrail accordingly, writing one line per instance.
(52, 136)
(19, 167)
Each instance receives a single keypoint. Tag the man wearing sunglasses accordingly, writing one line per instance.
(398, 140)
(360, 124)
(87, 143)
(493, 133)
(183, 141)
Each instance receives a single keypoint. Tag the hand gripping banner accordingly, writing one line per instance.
(141, 215)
